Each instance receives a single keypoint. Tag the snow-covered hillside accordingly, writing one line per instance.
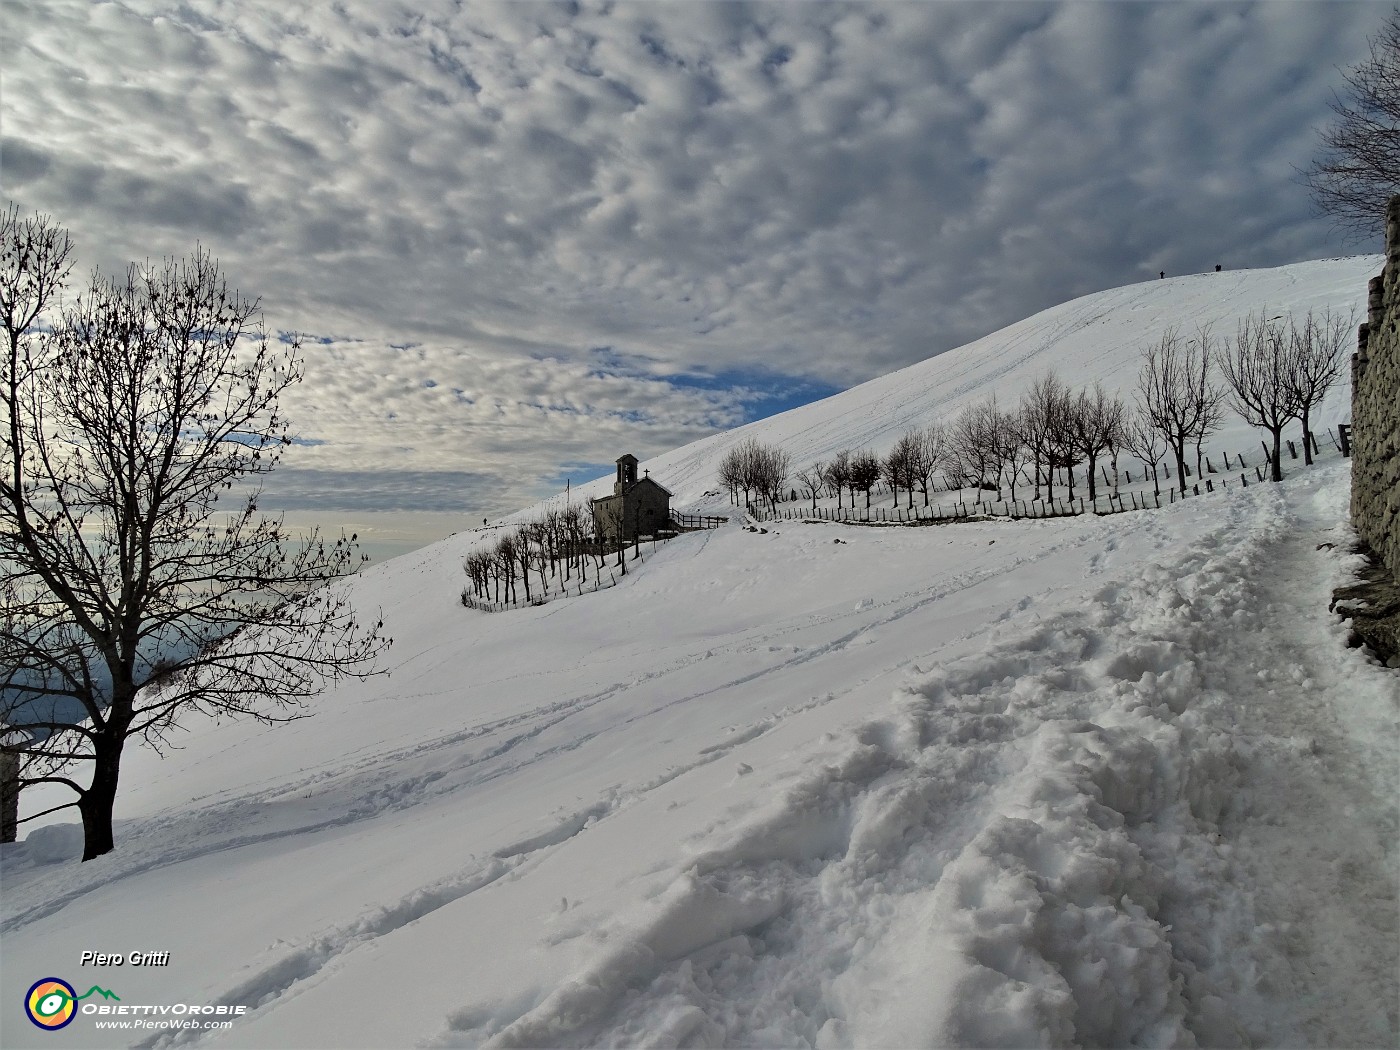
(1099, 337)
(1098, 781)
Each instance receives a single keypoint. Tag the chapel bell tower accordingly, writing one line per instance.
(626, 474)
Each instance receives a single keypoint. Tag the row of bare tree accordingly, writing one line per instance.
(911, 463)
(756, 469)
(1050, 431)
(1273, 372)
(558, 546)
(1279, 374)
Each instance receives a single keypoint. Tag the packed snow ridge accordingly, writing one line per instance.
(1100, 781)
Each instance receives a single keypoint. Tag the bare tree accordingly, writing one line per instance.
(1042, 422)
(1116, 440)
(838, 474)
(525, 539)
(865, 471)
(757, 468)
(771, 466)
(913, 461)
(597, 526)
(1257, 367)
(897, 467)
(478, 567)
(131, 592)
(505, 555)
(1064, 449)
(1095, 426)
(1012, 453)
(572, 533)
(1319, 354)
(813, 480)
(1177, 396)
(1358, 168)
(925, 453)
(973, 446)
(1145, 442)
(731, 473)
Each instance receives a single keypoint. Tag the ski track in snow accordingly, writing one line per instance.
(289, 971)
(381, 795)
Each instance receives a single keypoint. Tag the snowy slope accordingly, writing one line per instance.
(1098, 337)
(1098, 781)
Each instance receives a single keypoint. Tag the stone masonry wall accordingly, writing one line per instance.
(1375, 408)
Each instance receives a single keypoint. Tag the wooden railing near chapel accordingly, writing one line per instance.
(695, 522)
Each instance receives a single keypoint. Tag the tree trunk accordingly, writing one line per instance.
(95, 804)
(1275, 459)
(1307, 438)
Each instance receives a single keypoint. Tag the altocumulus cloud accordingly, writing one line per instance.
(545, 233)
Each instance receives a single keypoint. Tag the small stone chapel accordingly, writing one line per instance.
(637, 507)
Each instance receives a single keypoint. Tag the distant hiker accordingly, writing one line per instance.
(1217, 267)
(1162, 275)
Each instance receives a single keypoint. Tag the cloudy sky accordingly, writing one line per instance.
(524, 238)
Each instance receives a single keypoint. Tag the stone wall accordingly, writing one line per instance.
(1375, 408)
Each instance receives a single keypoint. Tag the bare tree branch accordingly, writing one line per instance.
(1358, 167)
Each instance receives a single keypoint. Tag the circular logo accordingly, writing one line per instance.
(51, 1003)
